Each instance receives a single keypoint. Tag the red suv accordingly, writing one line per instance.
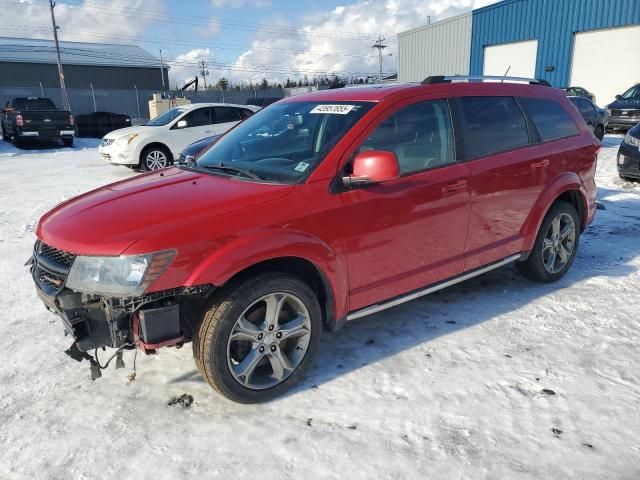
(319, 209)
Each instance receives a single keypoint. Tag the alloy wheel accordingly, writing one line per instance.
(155, 160)
(559, 243)
(269, 340)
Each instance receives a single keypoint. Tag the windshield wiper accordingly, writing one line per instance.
(226, 168)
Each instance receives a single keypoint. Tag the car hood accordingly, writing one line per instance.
(196, 147)
(108, 220)
(124, 131)
(623, 103)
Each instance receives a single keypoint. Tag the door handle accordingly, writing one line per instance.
(540, 164)
(454, 187)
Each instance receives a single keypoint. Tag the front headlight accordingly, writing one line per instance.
(631, 140)
(126, 139)
(124, 276)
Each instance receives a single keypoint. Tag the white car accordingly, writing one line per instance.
(156, 144)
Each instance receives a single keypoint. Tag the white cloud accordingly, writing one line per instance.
(210, 30)
(240, 3)
(89, 21)
(339, 40)
(185, 67)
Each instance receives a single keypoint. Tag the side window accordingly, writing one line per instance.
(420, 135)
(227, 114)
(551, 120)
(585, 106)
(198, 118)
(245, 113)
(491, 125)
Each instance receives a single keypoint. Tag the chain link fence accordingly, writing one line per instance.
(134, 102)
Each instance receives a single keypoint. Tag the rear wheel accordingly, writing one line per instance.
(258, 339)
(67, 142)
(599, 132)
(154, 158)
(555, 247)
(5, 137)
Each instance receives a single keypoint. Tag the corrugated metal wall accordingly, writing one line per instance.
(441, 48)
(553, 23)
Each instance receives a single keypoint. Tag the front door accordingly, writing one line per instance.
(197, 127)
(409, 232)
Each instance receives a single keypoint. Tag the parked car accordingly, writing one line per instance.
(28, 118)
(624, 113)
(98, 124)
(156, 144)
(595, 117)
(580, 92)
(322, 208)
(190, 152)
(629, 155)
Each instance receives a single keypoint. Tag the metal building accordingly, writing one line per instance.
(440, 48)
(26, 63)
(594, 44)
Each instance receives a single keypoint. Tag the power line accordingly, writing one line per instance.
(139, 13)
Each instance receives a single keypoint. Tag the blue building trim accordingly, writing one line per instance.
(552, 22)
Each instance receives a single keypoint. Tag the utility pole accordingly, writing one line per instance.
(162, 71)
(204, 72)
(63, 89)
(380, 45)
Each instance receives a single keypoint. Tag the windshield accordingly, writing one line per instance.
(633, 92)
(33, 104)
(284, 142)
(166, 117)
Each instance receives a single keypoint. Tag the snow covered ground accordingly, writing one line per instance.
(449, 387)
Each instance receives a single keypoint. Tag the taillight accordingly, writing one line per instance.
(71, 120)
(19, 120)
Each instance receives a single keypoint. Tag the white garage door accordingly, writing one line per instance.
(518, 58)
(606, 62)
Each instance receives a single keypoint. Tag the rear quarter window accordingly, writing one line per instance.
(550, 118)
(491, 125)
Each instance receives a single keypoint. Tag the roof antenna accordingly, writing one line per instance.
(505, 74)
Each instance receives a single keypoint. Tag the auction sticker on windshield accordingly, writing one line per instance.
(333, 109)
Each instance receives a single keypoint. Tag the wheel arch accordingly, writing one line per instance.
(293, 252)
(308, 272)
(567, 187)
(155, 143)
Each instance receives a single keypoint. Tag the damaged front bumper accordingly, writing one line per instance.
(149, 322)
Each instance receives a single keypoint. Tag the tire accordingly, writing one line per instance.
(154, 158)
(19, 142)
(599, 132)
(67, 142)
(240, 309)
(5, 137)
(546, 250)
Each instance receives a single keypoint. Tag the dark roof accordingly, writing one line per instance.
(28, 50)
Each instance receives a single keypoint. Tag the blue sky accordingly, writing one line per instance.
(242, 40)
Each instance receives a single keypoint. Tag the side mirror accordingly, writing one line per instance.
(181, 124)
(188, 160)
(373, 166)
(618, 97)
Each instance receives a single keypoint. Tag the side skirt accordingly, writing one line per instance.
(378, 307)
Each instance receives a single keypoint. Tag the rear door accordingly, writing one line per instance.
(225, 119)
(507, 175)
(409, 232)
(588, 112)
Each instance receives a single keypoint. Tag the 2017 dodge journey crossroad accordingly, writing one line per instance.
(319, 209)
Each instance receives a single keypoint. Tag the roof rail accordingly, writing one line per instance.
(456, 78)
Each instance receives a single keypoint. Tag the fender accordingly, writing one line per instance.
(245, 252)
(559, 185)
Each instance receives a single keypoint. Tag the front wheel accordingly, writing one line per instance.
(258, 339)
(154, 158)
(556, 245)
